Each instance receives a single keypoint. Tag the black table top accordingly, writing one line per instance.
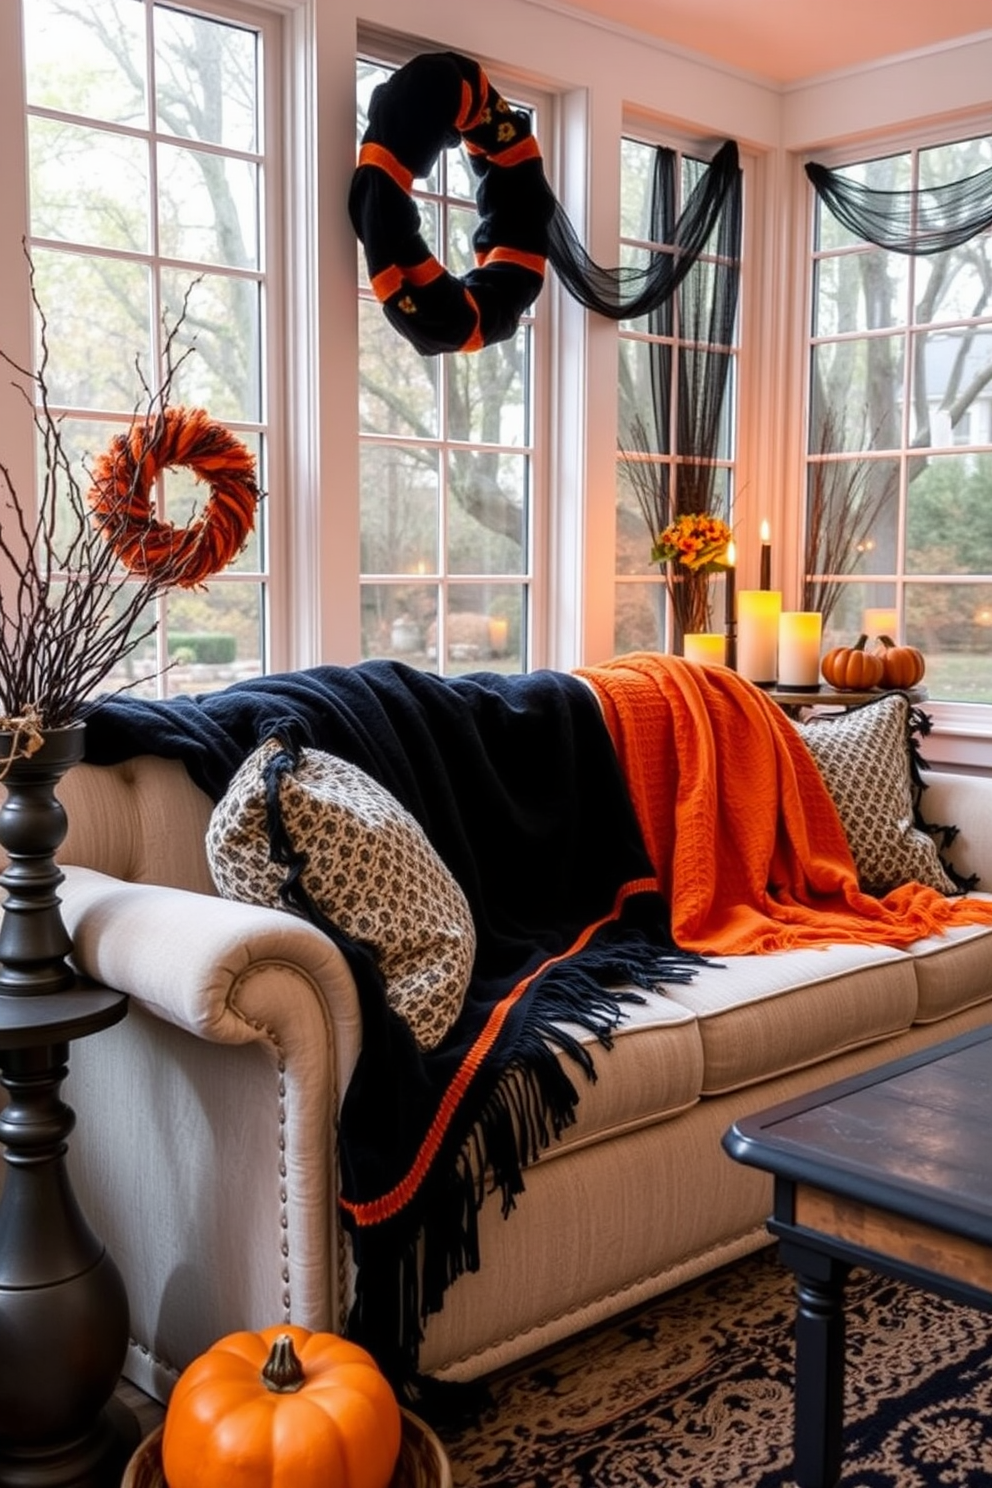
(911, 1136)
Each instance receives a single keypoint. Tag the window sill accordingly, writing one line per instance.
(961, 738)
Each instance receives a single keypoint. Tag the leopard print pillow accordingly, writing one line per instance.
(369, 868)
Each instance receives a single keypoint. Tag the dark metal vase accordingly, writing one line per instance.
(63, 1307)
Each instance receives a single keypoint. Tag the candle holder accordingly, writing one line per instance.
(63, 1307)
(731, 646)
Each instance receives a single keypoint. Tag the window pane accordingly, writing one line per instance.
(859, 292)
(949, 515)
(400, 506)
(637, 488)
(488, 400)
(208, 207)
(636, 171)
(398, 388)
(487, 517)
(214, 636)
(954, 286)
(952, 625)
(99, 320)
(857, 394)
(222, 326)
(399, 621)
(640, 617)
(206, 80)
(87, 59)
(89, 186)
(952, 387)
(484, 629)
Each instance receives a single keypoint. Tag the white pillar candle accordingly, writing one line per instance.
(708, 648)
(799, 636)
(757, 633)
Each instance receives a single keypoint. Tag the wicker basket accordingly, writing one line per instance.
(422, 1462)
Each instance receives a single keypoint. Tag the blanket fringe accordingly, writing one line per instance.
(405, 1267)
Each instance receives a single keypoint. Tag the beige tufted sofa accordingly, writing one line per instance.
(204, 1152)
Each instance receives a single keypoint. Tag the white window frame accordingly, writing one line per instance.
(15, 309)
(961, 731)
(390, 48)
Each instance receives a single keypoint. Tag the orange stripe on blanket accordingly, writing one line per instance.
(745, 838)
(391, 1203)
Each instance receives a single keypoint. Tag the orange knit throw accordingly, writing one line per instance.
(749, 849)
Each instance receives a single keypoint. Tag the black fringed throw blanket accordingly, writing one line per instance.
(516, 784)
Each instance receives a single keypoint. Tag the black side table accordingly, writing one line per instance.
(63, 1307)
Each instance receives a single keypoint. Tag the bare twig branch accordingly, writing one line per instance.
(70, 612)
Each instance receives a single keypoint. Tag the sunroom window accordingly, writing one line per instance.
(148, 184)
(447, 463)
(899, 456)
(677, 394)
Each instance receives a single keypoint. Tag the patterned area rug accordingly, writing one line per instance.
(695, 1391)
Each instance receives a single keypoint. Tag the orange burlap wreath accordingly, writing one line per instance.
(120, 496)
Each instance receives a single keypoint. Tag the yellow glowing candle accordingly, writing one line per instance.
(880, 622)
(708, 648)
(757, 633)
(799, 636)
(498, 631)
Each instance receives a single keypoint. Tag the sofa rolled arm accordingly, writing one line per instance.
(965, 802)
(220, 969)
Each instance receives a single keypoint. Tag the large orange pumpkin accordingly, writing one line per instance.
(902, 666)
(852, 667)
(281, 1408)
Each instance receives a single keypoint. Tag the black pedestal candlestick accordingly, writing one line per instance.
(63, 1307)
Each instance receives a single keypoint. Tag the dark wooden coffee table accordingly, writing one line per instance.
(891, 1170)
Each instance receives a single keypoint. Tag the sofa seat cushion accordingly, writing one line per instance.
(952, 970)
(761, 1016)
(653, 1071)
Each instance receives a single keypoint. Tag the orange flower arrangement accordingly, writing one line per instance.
(696, 540)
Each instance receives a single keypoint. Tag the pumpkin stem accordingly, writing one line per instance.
(887, 641)
(860, 643)
(282, 1370)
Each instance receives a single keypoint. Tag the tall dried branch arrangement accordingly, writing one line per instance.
(652, 487)
(649, 478)
(69, 611)
(844, 503)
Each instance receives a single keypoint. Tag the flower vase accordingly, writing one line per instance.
(690, 597)
(34, 942)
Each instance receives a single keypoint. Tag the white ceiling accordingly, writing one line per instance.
(786, 41)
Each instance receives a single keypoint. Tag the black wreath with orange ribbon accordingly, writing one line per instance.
(121, 496)
(428, 105)
(431, 104)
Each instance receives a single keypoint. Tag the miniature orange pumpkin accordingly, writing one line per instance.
(852, 666)
(902, 666)
(281, 1408)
